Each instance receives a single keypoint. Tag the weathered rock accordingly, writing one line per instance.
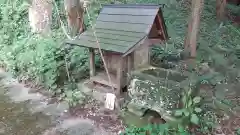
(137, 110)
(155, 96)
(151, 90)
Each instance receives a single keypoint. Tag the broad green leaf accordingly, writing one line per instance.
(198, 110)
(190, 102)
(196, 100)
(238, 131)
(69, 94)
(186, 113)
(178, 113)
(54, 86)
(184, 133)
(180, 129)
(194, 119)
(184, 100)
(189, 92)
(163, 128)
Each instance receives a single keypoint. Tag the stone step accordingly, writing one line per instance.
(98, 92)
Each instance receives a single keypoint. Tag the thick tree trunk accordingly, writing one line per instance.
(40, 16)
(220, 8)
(75, 12)
(193, 28)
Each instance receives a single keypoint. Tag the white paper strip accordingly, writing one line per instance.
(110, 101)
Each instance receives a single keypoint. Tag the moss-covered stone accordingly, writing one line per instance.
(150, 89)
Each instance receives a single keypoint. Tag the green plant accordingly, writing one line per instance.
(39, 60)
(162, 129)
(190, 110)
(218, 45)
(13, 26)
(72, 94)
(185, 116)
(208, 121)
(238, 131)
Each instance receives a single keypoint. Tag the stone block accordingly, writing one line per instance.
(137, 110)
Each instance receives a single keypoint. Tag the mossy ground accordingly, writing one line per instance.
(217, 45)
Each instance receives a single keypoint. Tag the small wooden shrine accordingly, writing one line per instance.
(125, 33)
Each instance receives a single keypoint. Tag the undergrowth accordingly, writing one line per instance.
(190, 119)
(46, 61)
(40, 60)
(217, 49)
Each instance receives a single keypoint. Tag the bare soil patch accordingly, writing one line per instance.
(102, 117)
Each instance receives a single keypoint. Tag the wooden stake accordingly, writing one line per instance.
(119, 76)
(130, 63)
(92, 62)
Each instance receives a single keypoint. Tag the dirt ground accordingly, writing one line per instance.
(92, 109)
(109, 120)
(102, 117)
(228, 123)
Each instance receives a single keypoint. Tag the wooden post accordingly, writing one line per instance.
(220, 9)
(92, 62)
(193, 28)
(130, 63)
(119, 76)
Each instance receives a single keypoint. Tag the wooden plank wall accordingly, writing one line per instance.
(142, 55)
(112, 61)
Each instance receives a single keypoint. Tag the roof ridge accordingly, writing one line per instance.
(133, 5)
(122, 19)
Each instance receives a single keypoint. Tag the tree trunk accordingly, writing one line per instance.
(220, 8)
(193, 28)
(75, 12)
(40, 16)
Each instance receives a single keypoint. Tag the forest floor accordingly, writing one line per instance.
(28, 105)
(91, 109)
(218, 46)
(95, 111)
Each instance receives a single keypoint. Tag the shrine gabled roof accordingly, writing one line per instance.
(119, 27)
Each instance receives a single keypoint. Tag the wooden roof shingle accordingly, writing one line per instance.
(119, 27)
